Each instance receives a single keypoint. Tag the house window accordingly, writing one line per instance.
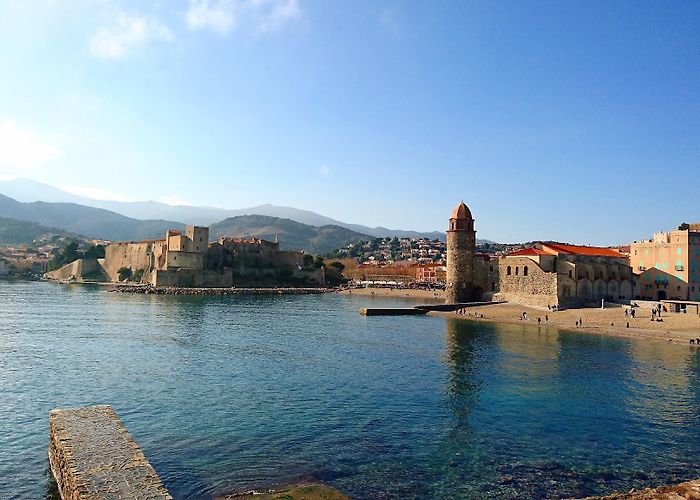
(571, 274)
(525, 271)
(508, 271)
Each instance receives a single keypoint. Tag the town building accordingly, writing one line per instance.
(430, 273)
(555, 274)
(668, 265)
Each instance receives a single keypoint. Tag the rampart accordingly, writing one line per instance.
(92, 456)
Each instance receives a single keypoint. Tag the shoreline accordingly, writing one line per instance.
(148, 289)
(676, 328)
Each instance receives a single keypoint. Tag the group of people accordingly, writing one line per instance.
(630, 313)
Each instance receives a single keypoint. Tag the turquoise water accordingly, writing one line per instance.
(228, 393)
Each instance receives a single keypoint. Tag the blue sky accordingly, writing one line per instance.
(574, 121)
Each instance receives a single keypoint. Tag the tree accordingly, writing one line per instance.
(338, 266)
(308, 260)
(318, 262)
(124, 273)
(95, 252)
(65, 256)
(684, 226)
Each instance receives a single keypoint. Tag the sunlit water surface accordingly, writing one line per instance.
(228, 393)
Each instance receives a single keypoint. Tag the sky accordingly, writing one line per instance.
(570, 121)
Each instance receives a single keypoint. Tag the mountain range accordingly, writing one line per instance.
(21, 232)
(26, 190)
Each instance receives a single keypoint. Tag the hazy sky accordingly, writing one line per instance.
(574, 121)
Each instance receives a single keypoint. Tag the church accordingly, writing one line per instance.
(547, 274)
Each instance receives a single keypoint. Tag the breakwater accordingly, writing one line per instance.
(160, 290)
(92, 456)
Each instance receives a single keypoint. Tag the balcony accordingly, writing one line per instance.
(642, 268)
(679, 268)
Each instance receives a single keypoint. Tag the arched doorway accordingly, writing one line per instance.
(661, 295)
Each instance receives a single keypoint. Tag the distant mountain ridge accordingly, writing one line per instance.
(89, 221)
(25, 190)
(292, 235)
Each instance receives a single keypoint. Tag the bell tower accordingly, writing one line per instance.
(461, 244)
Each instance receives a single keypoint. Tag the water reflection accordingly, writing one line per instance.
(461, 357)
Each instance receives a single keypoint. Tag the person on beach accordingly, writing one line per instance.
(576, 323)
(546, 319)
(626, 314)
(580, 322)
(539, 321)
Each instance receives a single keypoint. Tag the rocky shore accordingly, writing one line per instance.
(149, 289)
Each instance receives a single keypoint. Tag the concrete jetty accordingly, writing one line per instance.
(392, 311)
(92, 456)
(418, 310)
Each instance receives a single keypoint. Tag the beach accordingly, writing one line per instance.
(674, 327)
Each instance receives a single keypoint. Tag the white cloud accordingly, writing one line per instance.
(217, 15)
(127, 34)
(95, 193)
(22, 150)
(222, 16)
(174, 200)
(324, 170)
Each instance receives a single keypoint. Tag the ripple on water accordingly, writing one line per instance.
(225, 393)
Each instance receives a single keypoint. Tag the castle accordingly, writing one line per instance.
(190, 260)
(547, 274)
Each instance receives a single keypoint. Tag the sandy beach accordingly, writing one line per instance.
(675, 327)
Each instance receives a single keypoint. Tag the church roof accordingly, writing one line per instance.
(462, 212)
(559, 248)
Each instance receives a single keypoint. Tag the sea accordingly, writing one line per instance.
(231, 393)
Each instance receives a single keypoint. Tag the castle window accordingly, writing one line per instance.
(490, 269)
(516, 270)
(525, 271)
(571, 275)
(508, 271)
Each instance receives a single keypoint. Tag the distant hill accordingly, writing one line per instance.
(88, 221)
(29, 191)
(20, 232)
(292, 235)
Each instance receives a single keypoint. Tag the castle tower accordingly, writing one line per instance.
(461, 242)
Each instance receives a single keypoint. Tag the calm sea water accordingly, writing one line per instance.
(225, 393)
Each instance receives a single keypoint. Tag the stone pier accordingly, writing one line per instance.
(92, 456)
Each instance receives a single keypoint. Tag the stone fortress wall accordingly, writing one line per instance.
(190, 260)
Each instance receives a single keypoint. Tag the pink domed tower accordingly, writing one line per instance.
(461, 244)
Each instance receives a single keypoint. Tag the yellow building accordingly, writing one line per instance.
(668, 265)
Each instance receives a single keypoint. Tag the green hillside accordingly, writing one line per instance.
(88, 221)
(19, 232)
(292, 235)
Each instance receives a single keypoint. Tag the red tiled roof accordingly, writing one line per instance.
(582, 250)
(528, 252)
(557, 248)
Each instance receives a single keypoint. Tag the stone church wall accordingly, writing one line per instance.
(533, 287)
